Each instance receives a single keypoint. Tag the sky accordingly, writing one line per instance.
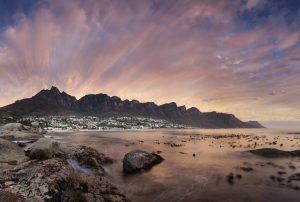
(240, 57)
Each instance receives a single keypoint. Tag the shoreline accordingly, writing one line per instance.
(74, 165)
(82, 157)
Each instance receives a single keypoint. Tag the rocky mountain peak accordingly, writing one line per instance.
(54, 89)
(55, 102)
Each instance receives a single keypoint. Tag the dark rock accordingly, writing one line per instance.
(281, 173)
(86, 187)
(91, 158)
(275, 153)
(230, 178)
(85, 157)
(295, 177)
(280, 179)
(10, 197)
(292, 167)
(22, 144)
(247, 169)
(272, 177)
(294, 133)
(172, 144)
(137, 160)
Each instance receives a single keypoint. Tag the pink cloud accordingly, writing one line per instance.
(187, 52)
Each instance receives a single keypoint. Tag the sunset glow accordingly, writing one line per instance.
(239, 57)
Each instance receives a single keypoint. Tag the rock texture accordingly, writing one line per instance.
(138, 160)
(86, 157)
(18, 132)
(13, 127)
(53, 172)
(55, 180)
(44, 148)
(275, 153)
(51, 177)
(54, 102)
(10, 197)
(10, 154)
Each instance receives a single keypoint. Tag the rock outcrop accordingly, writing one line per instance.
(19, 132)
(51, 177)
(138, 160)
(13, 127)
(86, 157)
(44, 148)
(10, 154)
(53, 172)
(55, 180)
(275, 153)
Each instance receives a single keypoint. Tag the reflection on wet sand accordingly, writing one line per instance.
(202, 165)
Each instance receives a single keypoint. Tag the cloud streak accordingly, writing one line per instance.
(207, 54)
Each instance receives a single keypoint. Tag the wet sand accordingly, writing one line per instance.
(200, 165)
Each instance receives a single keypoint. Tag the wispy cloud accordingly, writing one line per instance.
(208, 54)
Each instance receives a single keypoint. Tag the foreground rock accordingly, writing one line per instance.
(86, 157)
(275, 153)
(44, 148)
(138, 160)
(10, 154)
(10, 197)
(19, 132)
(55, 180)
(53, 171)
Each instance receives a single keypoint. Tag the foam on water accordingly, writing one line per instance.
(78, 168)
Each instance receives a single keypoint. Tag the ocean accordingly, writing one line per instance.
(200, 164)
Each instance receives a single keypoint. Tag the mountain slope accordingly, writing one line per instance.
(54, 102)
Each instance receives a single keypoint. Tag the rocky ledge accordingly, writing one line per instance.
(275, 153)
(20, 133)
(53, 172)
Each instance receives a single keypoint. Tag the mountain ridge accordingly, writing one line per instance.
(54, 102)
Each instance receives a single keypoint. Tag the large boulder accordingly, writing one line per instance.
(138, 160)
(8, 147)
(86, 157)
(20, 136)
(44, 148)
(19, 132)
(90, 157)
(10, 154)
(275, 153)
(14, 127)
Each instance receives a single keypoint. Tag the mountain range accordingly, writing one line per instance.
(54, 102)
